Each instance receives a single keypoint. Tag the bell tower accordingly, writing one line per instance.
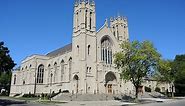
(84, 17)
(119, 28)
(84, 45)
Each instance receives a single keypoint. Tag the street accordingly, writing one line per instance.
(170, 103)
(6, 102)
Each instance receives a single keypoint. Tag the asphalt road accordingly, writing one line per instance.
(170, 103)
(6, 102)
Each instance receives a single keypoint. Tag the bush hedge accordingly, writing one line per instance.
(147, 89)
(157, 89)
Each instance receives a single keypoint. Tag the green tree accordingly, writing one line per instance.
(166, 73)
(6, 65)
(136, 60)
(179, 67)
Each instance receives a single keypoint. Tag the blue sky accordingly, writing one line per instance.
(39, 26)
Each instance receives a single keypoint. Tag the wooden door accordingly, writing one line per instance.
(109, 88)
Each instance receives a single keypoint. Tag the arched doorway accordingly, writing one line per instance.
(110, 81)
(76, 83)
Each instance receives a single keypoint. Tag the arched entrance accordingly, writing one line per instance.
(75, 80)
(110, 81)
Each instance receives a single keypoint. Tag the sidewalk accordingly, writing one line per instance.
(174, 102)
(156, 99)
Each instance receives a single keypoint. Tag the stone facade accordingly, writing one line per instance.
(84, 66)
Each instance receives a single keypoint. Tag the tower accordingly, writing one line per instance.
(119, 28)
(84, 17)
(84, 46)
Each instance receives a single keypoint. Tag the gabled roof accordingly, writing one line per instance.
(60, 51)
(103, 26)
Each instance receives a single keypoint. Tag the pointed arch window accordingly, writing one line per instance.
(77, 20)
(14, 81)
(26, 68)
(55, 72)
(49, 73)
(114, 33)
(90, 20)
(40, 74)
(88, 49)
(117, 32)
(70, 67)
(62, 70)
(106, 51)
(86, 19)
(78, 49)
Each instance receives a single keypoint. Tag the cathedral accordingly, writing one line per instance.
(84, 66)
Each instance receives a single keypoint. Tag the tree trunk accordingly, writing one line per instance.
(172, 91)
(136, 94)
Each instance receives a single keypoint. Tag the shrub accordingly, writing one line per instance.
(147, 89)
(55, 94)
(157, 89)
(60, 91)
(65, 91)
(29, 95)
(4, 93)
(16, 95)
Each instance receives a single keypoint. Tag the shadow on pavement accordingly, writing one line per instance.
(4, 102)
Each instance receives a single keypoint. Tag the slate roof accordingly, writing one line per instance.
(60, 51)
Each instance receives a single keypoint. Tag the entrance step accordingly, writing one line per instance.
(85, 97)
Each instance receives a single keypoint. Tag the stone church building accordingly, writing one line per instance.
(84, 66)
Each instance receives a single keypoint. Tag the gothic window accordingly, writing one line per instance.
(103, 53)
(78, 48)
(49, 72)
(110, 54)
(106, 55)
(23, 82)
(114, 33)
(70, 67)
(14, 81)
(117, 32)
(88, 49)
(90, 19)
(40, 74)
(62, 69)
(55, 72)
(30, 77)
(25, 73)
(30, 66)
(124, 25)
(77, 19)
(87, 69)
(106, 51)
(86, 19)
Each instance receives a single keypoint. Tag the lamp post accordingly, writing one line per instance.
(50, 86)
